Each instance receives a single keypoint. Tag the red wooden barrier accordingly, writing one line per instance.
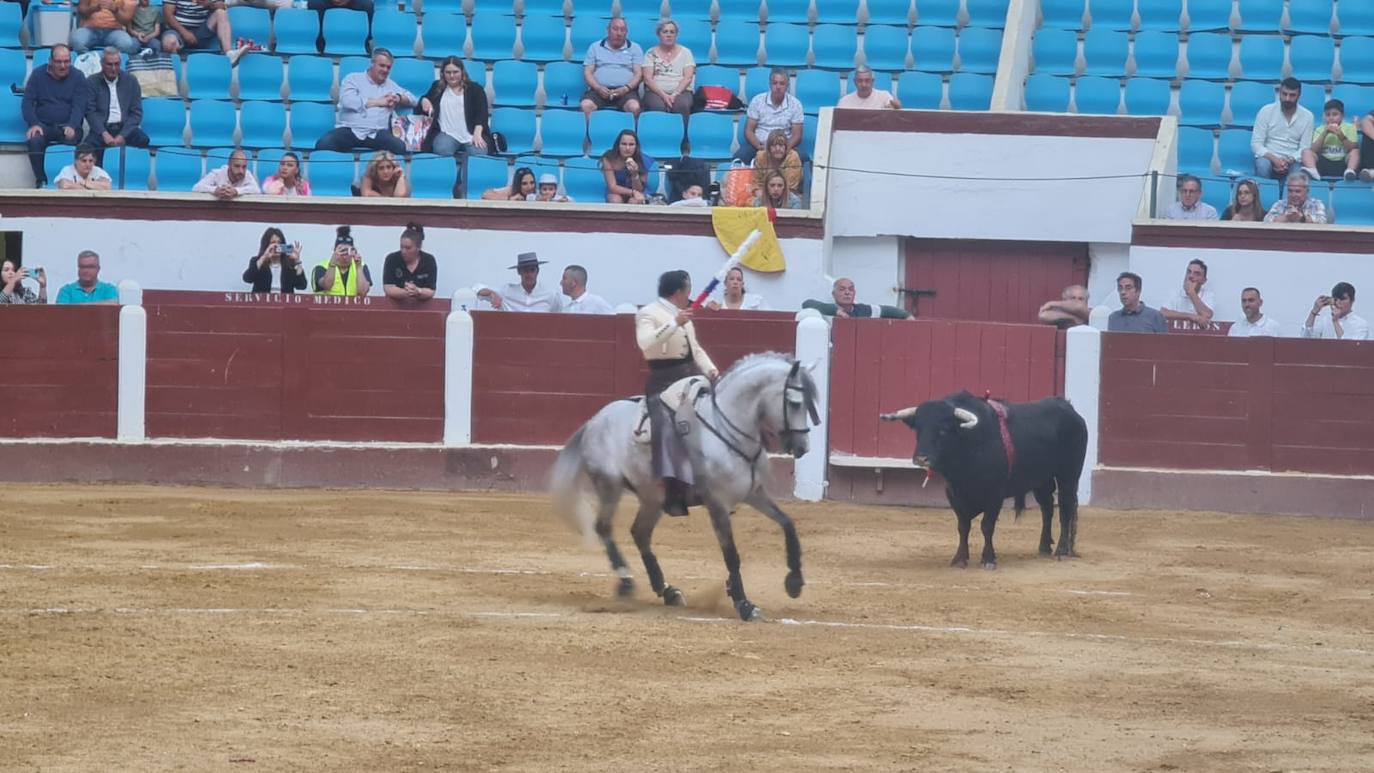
(61, 371)
(1237, 403)
(883, 365)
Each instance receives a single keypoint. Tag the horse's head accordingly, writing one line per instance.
(798, 410)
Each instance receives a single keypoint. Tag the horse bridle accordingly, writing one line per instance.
(787, 389)
(806, 397)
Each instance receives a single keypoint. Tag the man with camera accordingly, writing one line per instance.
(1342, 322)
(229, 181)
(344, 273)
(12, 291)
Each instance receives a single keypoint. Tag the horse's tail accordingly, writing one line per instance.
(565, 484)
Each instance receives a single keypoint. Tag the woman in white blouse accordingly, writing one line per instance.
(459, 109)
(668, 72)
(735, 297)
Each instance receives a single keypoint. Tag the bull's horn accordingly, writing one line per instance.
(967, 419)
(901, 415)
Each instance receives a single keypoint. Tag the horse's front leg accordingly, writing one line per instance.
(760, 501)
(650, 511)
(734, 583)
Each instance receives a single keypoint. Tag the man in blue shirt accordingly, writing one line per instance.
(88, 288)
(53, 106)
(613, 70)
(1134, 316)
(367, 101)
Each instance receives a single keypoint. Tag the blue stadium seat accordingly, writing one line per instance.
(695, 35)
(562, 79)
(1047, 93)
(345, 33)
(817, 89)
(309, 121)
(920, 91)
(310, 78)
(715, 75)
(1156, 54)
(1111, 14)
(1233, 151)
(1261, 58)
(562, 133)
(538, 164)
(755, 82)
(970, 91)
(1355, 98)
(989, 14)
(640, 8)
(1055, 52)
(1262, 16)
(583, 180)
(10, 23)
(136, 166)
(57, 156)
(1062, 14)
(1310, 17)
(394, 30)
(493, 36)
(212, 123)
(1247, 97)
(517, 125)
(1196, 150)
(1209, 15)
(1355, 19)
(351, 64)
(543, 38)
(296, 30)
(1161, 15)
(808, 142)
(834, 46)
(1093, 94)
(164, 121)
(837, 12)
(1104, 52)
(737, 43)
(266, 162)
(788, 12)
(661, 134)
(587, 29)
(456, 6)
(260, 76)
(444, 34)
(1217, 192)
(938, 13)
(690, 10)
(178, 169)
(603, 127)
(207, 76)
(1147, 96)
(711, 135)
(881, 80)
(886, 48)
(263, 124)
(12, 124)
(786, 45)
(1200, 103)
(896, 12)
(331, 173)
(1352, 205)
(414, 75)
(433, 177)
(249, 22)
(13, 66)
(1357, 60)
(514, 83)
(543, 7)
(1314, 98)
(979, 49)
(1311, 58)
(1209, 55)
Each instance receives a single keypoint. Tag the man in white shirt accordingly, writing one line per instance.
(773, 109)
(1282, 130)
(1255, 323)
(579, 301)
(231, 180)
(1342, 322)
(526, 294)
(1191, 302)
(865, 97)
(1190, 205)
(82, 174)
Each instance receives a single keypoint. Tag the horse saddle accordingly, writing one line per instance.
(679, 398)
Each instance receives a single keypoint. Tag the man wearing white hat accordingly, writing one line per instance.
(526, 294)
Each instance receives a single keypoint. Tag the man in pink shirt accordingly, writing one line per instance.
(866, 97)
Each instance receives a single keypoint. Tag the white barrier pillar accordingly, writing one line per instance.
(813, 351)
(458, 345)
(1083, 387)
(133, 363)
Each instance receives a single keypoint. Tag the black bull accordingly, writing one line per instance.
(961, 438)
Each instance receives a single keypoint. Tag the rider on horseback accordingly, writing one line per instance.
(664, 332)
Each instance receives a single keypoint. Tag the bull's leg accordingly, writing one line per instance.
(765, 504)
(989, 526)
(965, 513)
(734, 583)
(650, 510)
(1068, 517)
(608, 496)
(1044, 496)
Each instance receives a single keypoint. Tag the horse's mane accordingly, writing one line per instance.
(751, 361)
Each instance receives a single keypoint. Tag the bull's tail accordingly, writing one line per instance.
(1018, 507)
(569, 494)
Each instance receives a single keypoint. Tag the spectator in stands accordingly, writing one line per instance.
(1342, 322)
(865, 97)
(83, 174)
(101, 23)
(1246, 206)
(668, 72)
(1134, 316)
(270, 5)
(1298, 207)
(843, 293)
(54, 104)
(278, 267)
(459, 109)
(1335, 149)
(367, 103)
(193, 24)
(1192, 302)
(627, 169)
(1071, 309)
(1367, 147)
(231, 180)
(522, 187)
(344, 272)
(578, 300)
(410, 273)
(287, 180)
(772, 110)
(114, 110)
(775, 195)
(88, 288)
(146, 27)
(613, 69)
(692, 196)
(1190, 205)
(779, 157)
(366, 6)
(384, 177)
(13, 292)
(548, 190)
(526, 294)
(1282, 130)
(734, 296)
(1255, 323)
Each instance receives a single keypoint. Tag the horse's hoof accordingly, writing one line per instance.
(672, 597)
(1068, 554)
(793, 584)
(1045, 551)
(959, 563)
(990, 565)
(748, 612)
(626, 588)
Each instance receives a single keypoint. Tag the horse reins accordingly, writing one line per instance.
(788, 387)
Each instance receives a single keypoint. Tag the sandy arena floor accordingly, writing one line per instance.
(151, 629)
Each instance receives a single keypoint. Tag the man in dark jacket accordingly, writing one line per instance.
(114, 111)
(844, 305)
(53, 106)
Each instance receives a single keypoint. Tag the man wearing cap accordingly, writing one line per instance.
(526, 294)
(548, 189)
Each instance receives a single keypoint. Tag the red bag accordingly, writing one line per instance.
(715, 98)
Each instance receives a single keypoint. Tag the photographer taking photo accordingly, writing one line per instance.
(12, 291)
(277, 267)
(1342, 322)
(344, 273)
